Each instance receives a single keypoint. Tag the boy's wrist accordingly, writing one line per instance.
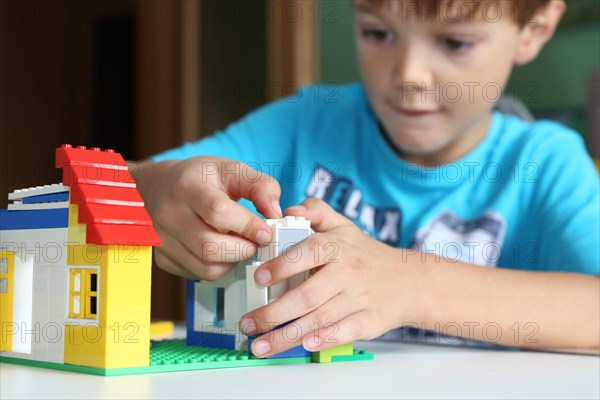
(149, 177)
(422, 274)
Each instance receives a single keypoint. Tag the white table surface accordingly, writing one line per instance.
(398, 371)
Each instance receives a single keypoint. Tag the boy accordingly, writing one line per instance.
(441, 213)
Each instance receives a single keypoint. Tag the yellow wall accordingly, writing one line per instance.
(122, 336)
(6, 304)
(76, 232)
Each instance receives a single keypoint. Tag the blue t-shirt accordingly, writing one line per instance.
(526, 197)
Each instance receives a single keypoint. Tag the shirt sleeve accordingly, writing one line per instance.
(568, 199)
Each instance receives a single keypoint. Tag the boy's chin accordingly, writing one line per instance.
(418, 152)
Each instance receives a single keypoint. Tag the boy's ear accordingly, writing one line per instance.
(538, 31)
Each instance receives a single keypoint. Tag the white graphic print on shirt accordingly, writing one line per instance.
(478, 241)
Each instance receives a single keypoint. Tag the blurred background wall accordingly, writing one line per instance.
(141, 76)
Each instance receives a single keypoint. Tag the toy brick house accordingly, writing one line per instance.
(75, 266)
(75, 278)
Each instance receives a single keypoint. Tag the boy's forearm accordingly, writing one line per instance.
(510, 307)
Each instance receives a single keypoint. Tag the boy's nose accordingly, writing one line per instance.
(411, 69)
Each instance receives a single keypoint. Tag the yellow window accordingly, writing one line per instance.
(83, 293)
(7, 267)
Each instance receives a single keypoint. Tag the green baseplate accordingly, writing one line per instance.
(175, 355)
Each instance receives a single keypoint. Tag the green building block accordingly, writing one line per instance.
(357, 355)
(175, 355)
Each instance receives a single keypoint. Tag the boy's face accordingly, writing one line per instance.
(433, 84)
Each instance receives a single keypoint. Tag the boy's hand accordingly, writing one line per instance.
(359, 288)
(193, 204)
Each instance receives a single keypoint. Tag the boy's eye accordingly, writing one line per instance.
(456, 45)
(377, 35)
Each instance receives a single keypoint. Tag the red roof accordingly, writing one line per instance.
(109, 203)
(84, 193)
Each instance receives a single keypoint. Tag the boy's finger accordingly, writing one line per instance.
(299, 301)
(322, 217)
(347, 330)
(261, 189)
(225, 215)
(311, 253)
(205, 243)
(292, 334)
(180, 261)
(325, 318)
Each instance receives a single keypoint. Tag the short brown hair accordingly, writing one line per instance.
(522, 11)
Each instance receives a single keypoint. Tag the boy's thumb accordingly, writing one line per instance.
(320, 214)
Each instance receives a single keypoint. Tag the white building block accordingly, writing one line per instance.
(23, 303)
(285, 231)
(235, 305)
(58, 301)
(37, 191)
(205, 303)
(206, 300)
(38, 206)
(41, 311)
(256, 296)
(49, 312)
(48, 245)
(277, 290)
(297, 280)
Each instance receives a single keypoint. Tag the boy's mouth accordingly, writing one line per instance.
(412, 111)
